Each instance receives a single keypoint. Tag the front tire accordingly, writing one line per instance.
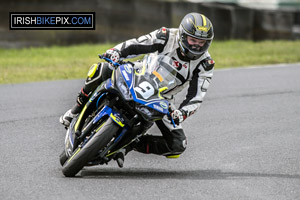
(82, 156)
(63, 158)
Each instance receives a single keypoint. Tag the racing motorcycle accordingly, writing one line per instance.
(118, 112)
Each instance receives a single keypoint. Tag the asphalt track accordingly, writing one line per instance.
(243, 143)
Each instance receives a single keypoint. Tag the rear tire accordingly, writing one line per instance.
(82, 156)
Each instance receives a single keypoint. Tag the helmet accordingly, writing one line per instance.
(197, 26)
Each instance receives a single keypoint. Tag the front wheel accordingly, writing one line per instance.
(82, 155)
(63, 158)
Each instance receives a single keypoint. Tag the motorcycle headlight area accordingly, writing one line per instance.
(148, 112)
(122, 86)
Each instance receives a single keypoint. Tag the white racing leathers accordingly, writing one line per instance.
(196, 74)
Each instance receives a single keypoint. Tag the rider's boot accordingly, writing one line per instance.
(82, 98)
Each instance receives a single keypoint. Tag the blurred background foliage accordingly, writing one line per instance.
(247, 32)
(119, 20)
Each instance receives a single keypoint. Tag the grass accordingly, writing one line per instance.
(73, 62)
(244, 53)
(47, 63)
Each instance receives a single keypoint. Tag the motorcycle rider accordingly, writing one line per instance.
(188, 47)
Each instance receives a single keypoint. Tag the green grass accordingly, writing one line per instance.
(48, 63)
(73, 62)
(244, 53)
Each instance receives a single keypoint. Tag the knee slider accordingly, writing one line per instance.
(173, 156)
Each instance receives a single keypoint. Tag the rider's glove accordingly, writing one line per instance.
(178, 116)
(113, 54)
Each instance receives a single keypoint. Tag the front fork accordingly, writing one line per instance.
(127, 137)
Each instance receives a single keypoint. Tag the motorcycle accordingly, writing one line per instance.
(119, 112)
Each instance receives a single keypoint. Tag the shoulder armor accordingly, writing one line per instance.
(208, 64)
(163, 33)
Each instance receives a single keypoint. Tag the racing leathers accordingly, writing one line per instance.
(196, 74)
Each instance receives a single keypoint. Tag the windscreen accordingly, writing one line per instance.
(160, 69)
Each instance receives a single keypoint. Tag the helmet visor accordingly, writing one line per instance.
(195, 44)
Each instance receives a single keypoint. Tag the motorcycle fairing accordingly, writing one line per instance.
(134, 81)
(70, 137)
(115, 116)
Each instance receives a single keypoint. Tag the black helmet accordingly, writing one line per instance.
(197, 26)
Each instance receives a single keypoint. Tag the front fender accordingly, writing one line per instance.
(115, 116)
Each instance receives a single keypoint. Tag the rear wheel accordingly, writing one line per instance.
(82, 155)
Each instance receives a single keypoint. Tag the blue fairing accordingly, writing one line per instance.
(158, 104)
(105, 111)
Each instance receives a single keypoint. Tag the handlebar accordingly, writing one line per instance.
(172, 120)
(109, 60)
(170, 110)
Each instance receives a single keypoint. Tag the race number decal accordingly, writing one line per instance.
(145, 89)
